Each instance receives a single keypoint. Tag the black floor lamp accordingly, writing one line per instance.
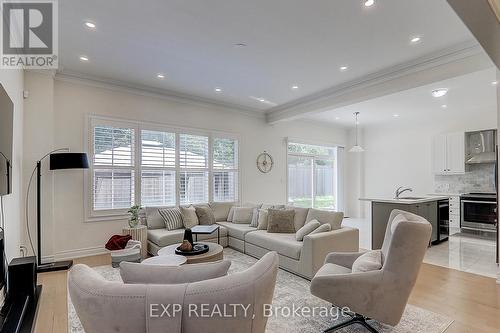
(58, 161)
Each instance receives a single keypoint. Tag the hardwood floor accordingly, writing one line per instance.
(472, 301)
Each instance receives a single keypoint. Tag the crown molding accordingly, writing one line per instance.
(384, 82)
(142, 90)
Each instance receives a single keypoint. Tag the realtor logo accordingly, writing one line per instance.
(29, 34)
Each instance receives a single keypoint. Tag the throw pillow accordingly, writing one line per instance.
(321, 228)
(334, 219)
(230, 215)
(154, 219)
(262, 220)
(306, 230)
(172, 218)
(189, 217)
(280, 221)
(243, 215)
(255, 218)
(370, 261)
(205, 215)
(300, 216)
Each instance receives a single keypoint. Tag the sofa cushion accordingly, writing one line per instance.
(243, 215)
(322, 228)
(262, 219)
(164, 237)
(189, 217)
(221, 210)
(280, 221)
(300, 216)
(205, 215)
(306, 230)
(154, 219)
(237, 230)
(332, 269)
(284, 244)
(334, 219)
(255, 218)
(172, 218)
(370, 261)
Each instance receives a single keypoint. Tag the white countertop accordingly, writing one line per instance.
(415, 199)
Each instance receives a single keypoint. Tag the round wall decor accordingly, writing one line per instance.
(265, 162)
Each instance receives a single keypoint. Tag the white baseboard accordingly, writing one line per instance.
(73, 254)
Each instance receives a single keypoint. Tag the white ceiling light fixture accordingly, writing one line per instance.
(439, 92)
(356, 148)
(240, 45)
(444, 106)
(84, 58)
(415, 39)
(90, 25)
(494, 83)
(160, 76)
(369, 3)
(218, 90)
(343, 68)
(295, 87)
(395, 115)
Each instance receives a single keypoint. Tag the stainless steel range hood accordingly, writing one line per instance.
(480, 147)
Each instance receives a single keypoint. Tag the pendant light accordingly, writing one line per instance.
(357, 148)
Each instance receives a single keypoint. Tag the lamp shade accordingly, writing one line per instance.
(61, 161)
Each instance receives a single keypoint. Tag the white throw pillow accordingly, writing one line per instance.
(189, 217)
(263, 214)
(255, 218)
(306, 230)
(370, 261)
(231, 214)
(334, 219)
(243, 215)
(321, 228)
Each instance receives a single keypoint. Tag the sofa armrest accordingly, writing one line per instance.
(317, 246)
(345, 259)
(134, 273)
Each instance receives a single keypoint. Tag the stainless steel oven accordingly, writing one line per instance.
(479, 211)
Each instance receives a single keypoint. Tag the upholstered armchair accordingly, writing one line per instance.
(379, 294)
(205, 306)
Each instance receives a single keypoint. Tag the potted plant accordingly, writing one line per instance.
(133, 221)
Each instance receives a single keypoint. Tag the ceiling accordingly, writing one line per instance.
(473, 92)
(289, 42)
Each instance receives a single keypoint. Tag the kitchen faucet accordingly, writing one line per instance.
(401, 190)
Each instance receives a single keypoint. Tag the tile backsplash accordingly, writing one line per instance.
(477, 178)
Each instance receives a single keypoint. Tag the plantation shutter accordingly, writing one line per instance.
(194, 168)
(225, 170)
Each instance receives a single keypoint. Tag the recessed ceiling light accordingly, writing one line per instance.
(415, 39)
(84, 58)
(439, 92)
(262, 100)
(343, 68)
(160, 76)
(295, 87)
(494, 83)
(218, 90)
(337, 118)
(369, 3)
(395, 115)
(90, 25)
(240, 45)
(444, 106)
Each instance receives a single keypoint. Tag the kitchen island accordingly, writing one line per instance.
(428, 207)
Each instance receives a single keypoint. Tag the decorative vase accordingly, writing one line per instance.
(188, 236)
(133, 223)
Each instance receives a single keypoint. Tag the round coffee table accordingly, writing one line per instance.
(215, 253)
(166, 260)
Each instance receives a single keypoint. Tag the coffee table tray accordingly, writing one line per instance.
(197, 249)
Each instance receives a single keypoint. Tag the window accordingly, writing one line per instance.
(113, 167)
(313, 176)
(135, 164)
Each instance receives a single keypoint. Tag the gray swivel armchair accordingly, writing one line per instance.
(104, 306)
(378, 294)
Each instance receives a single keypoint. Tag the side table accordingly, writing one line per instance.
(140, 234)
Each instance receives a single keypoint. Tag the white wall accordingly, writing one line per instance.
(74, 101)
(12, 81)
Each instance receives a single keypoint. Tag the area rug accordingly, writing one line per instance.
(291, 289)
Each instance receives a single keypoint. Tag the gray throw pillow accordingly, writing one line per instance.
(172, 218)
(255, 218)
(262, 220)
(321, 228)
(205, 215)
(334, 219)
(306, 230)
(189, 217)
(370, 261)
(243, 215)
(280, 221)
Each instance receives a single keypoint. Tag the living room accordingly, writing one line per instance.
(172, 127)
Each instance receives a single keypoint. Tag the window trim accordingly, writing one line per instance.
(119, 214)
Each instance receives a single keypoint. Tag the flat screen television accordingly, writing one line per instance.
(6, 131)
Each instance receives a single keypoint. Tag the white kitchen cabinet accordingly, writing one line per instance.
(449, 154)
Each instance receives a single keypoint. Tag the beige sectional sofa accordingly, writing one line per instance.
(303, 258)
